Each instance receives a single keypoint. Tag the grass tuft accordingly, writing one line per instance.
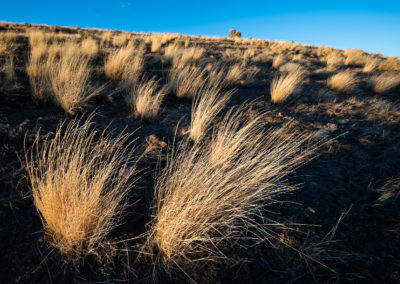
(80, 179)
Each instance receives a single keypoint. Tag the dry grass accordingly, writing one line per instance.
(344, 81)
(89, 47)
(36, 37)
(390, 191)
(355, 57)
(145, 98)
(285, 85)
(225, 75)
(38, 70)
(106, 37)
(278, 61)
(158, 40)
(334, 59)
(69, 77)
(181, 58)
(3, 48)
(208, 102)
(121, 39)
(202, 207)
(60, 73)
(371, 64)
(7, 74)
(79, 186)
(384, 82)
(124, 63)
(390, 64)
(185, 83)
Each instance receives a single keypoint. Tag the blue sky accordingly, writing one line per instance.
(370, 25)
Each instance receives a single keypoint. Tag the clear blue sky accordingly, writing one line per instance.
(370, 25)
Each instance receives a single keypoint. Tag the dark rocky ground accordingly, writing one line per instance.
(343, 180)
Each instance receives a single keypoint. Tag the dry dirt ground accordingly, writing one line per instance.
(345, 179)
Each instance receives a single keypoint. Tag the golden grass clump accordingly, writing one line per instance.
(80, 180)
(371, 64)
(106, 37)
(38, 70)
(202, 207)
(185, 82)
(145, 98)
(158, 40)
(89, 47)
(36, 37)
(344, 81)
(121, 39)
(7, 74)
(226, 75)
(355, 57)
(278, 61)
(181, 57)
(69, 77)
(282, 87)
(335, 58)
(385, 82)
(390, 64)
(208, 102)
(60, 73)
(124, 63)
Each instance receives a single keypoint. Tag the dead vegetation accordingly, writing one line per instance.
(344, 81)
(285, 85)
(384, 82)
(208, 102)
(79, 186)
(145, 98)
(124, 64)
(203, 201)
(218, 159)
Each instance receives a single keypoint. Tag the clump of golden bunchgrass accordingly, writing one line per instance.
(185, 82)
(390, 64)
(80, 179)
(106, 37)
(355, 56)
(38, 70)
(285, 85)
(124, 63)
(144, 98)
(344, 81)
(334, 59)
(180, 57)
(208, 102)
(232, 135)
(3, 48)
(121, 39)
(158, 40)
(204, 206)
(60, 73)
(371, 64)
(36, 37)
(7, 73)
(384, 82)
(278, 61)
(69, 78)
(89, 47)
